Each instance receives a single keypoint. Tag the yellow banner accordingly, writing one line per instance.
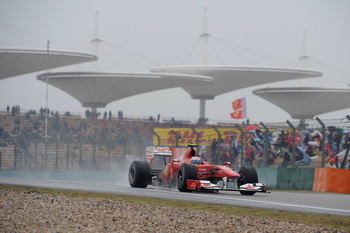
(167, 136)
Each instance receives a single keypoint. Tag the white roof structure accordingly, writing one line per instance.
(230, 78)
(97, 89)
(306, 102)
(18, 61)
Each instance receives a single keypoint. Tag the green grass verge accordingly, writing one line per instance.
(329, 221)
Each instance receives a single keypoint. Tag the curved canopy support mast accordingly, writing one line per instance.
(204, 39)
(304, 57)
(204, 60)
(95, 48)
(95, 42)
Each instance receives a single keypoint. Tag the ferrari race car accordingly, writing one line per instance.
(182, 168)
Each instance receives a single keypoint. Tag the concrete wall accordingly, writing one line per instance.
(308, 179)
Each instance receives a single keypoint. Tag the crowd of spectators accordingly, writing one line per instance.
(68, 128)
(221, 152)
(21, 129)
(306, 145)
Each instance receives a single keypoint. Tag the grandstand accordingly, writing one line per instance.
(76, 142)
(73, 142)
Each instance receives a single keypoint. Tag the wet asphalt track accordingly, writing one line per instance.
(323, 203)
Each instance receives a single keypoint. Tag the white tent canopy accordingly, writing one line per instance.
(97, 89)
(230, 78)
(306, 102)
(19, 61)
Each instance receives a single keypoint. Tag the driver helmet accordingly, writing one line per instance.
(196, 160)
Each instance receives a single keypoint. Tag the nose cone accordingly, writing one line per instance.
(225, 171)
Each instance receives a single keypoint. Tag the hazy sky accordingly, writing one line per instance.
(140, 34)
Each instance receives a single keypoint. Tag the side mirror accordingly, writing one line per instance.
(228, 164)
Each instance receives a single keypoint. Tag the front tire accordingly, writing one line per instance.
(139, 174)
(248, 175)
(186, 172)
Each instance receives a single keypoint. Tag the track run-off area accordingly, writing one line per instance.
(309, 202)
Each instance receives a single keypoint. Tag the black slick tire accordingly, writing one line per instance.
(186, 172)
(139, 174)
(248, 175)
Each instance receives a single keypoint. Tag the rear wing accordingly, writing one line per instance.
(152, 151)
(176, 153)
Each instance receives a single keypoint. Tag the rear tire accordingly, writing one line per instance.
(248, 175)
(139, 174)
(186, 172)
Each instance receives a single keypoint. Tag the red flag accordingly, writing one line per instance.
(238, 104)
(239, 109)
(239, 114)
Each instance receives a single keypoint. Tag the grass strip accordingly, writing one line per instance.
(329, 221)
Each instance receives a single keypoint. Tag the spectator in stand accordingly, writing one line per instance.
(331, 163)
(316, 137)
(120, 115)
(260, 134)
(203, 151)
(337, 138)
(327, 150)
(233, 148)
(282, 139)
(290, 144)
(297, 139)
(305, 161)
(233, 143)
(87, 113)
(13, 111)
(213, 148)
(224, 156)
(347, 166)
(249, 155)
(307, 138)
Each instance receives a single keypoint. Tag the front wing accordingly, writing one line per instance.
(206, 185)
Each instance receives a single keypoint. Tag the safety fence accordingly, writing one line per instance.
(316, 152)
(78, 143)
(57, 155)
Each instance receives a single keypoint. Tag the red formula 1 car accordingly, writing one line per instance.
(181, 167)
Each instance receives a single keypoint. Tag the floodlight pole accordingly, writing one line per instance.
(47, 87)
(266, 145)
(293, 142)
(342, 166)
(47, 99)
(242, 145)
(323, 141)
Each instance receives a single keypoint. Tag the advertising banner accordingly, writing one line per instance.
(185, 136)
